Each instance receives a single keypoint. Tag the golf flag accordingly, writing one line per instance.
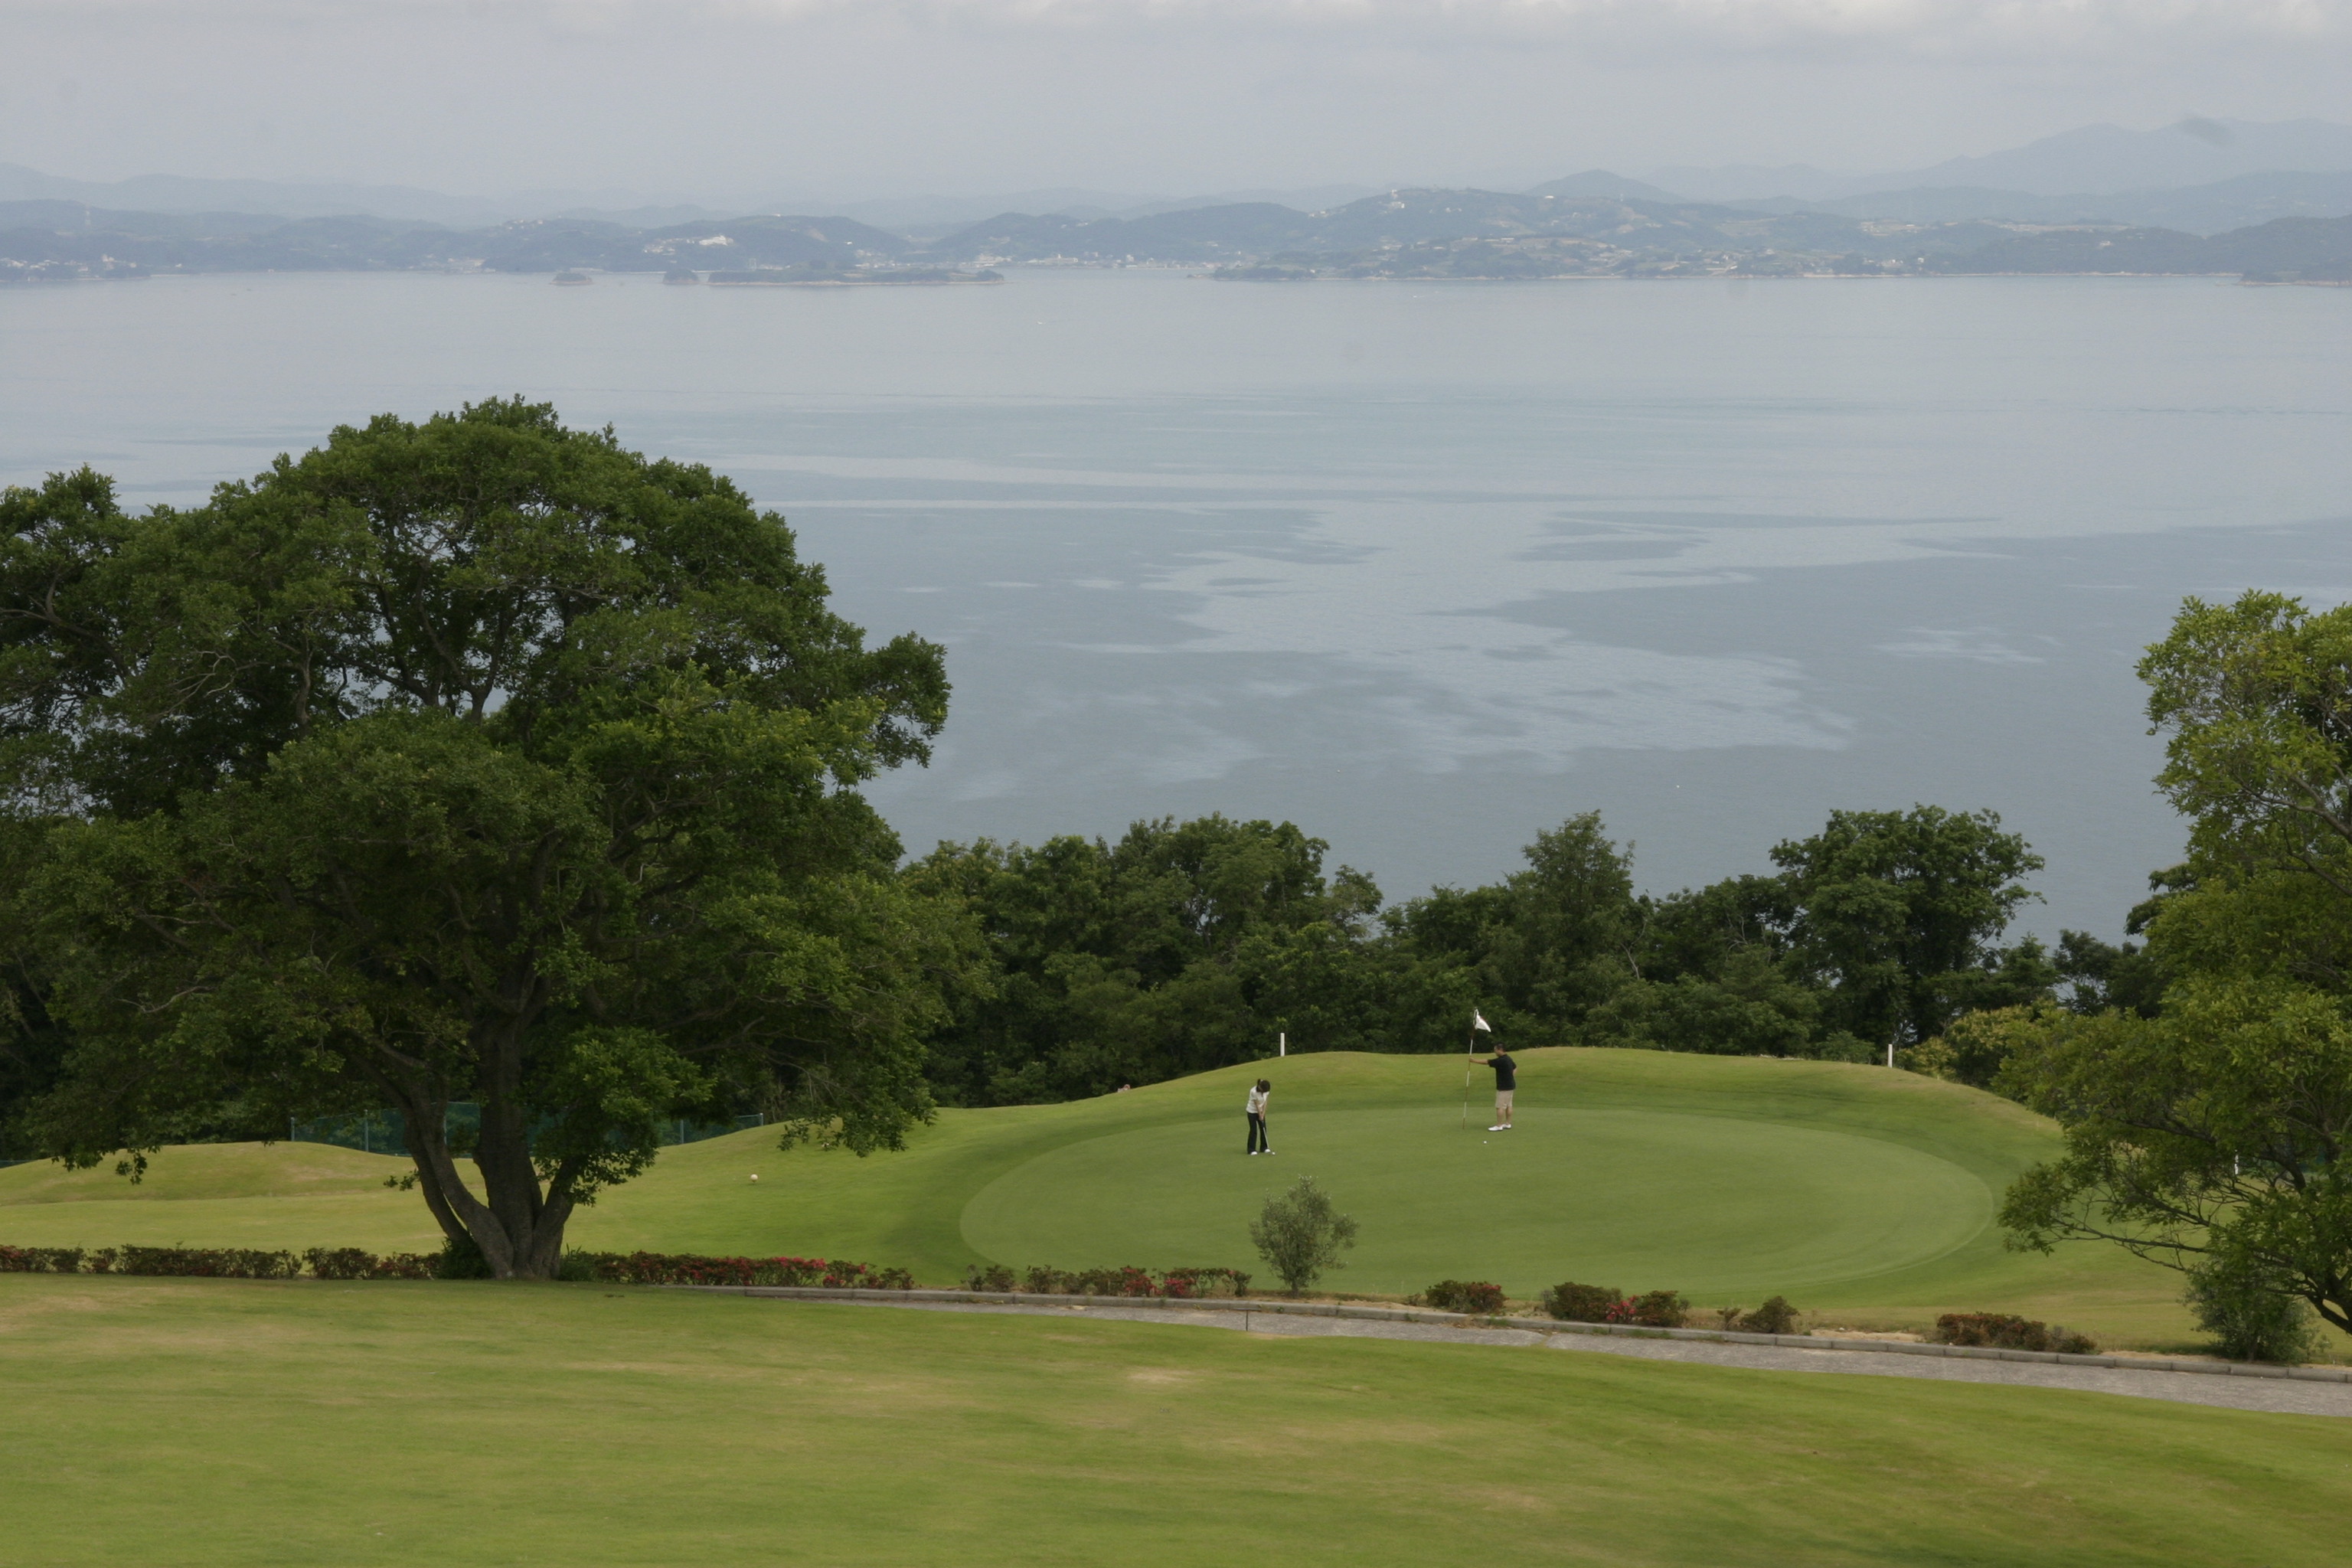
(1478, 1021)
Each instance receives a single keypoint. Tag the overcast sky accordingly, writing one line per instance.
(858, 98)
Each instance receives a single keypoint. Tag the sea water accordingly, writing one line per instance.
(1421, 567)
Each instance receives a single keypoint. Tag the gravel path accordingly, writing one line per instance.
(2188, 1388)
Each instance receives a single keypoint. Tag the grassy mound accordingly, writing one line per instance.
(1844, 1187)
(201, 1422)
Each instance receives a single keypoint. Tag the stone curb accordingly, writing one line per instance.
(1246, 1304)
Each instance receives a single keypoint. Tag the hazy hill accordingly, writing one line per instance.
(2284, 249)
(2198, 209)
(2098, 159)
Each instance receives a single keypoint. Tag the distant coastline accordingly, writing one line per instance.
(1415, 234)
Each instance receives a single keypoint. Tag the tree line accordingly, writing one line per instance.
(1187, 945)
(481, 760)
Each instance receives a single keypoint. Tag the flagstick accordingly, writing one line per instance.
(1469, 1051)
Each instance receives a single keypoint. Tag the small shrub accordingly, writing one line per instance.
(1661, 1309)
(1300, 1235)
(1038, 1281)
(1774, 1317)
(2001, 1330)
(341, 1262)
(405, 1266)
(461, 1258)
(1473, 1296)
(2252, 1319)
(1727, 1318)
(1574, 1303)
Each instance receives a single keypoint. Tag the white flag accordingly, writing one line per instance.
(1478, 1021)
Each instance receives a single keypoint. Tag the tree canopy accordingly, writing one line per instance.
(2209, 1131)
(476, 759)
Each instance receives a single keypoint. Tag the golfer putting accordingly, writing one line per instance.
(1507, 1075)
(1506, 1083)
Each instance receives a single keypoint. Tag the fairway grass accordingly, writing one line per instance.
(230, 1422)
(1858, 1192)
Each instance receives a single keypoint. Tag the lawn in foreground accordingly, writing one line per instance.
(1854, 1190)
(197, 1422)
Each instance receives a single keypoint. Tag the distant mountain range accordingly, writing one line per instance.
(2052, 216)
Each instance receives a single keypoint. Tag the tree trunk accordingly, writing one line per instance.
(518, 1230)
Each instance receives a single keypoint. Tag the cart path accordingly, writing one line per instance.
(2262, 1393)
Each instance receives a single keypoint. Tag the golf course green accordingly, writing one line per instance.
(1852, 1190)
(202, 1422)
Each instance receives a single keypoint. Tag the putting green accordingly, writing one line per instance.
(1853, 1190)
(1717, 1205)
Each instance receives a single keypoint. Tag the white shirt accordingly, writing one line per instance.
(1257, 1098)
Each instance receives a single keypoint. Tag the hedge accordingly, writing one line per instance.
(356, 1263)
(696, 1268)
(1177, 1284)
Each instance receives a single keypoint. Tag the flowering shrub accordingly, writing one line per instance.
(2001, 1331)
(1774, 1317)
(1204, 1284)
(1654, 1310)
(1465, 1296)
(1574, 1303)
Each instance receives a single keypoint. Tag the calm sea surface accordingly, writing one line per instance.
(1422, 568)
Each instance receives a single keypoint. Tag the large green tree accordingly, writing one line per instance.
(1180, 946)
(1896, 916)
(475, 760)
(2214, 1135)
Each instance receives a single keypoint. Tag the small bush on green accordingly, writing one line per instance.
(1774, 1317)
(1574, 1303)
(2249, 1315)
(1300, 1235)
(997, 1280)
(2001, 1330)
(341, 1262)
(1474, 1296)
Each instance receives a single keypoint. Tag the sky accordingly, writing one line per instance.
(712, 100)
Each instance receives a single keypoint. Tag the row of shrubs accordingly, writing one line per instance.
(451, 1263)
(2001, 1331)
(699, 1268)
(1570, 1301)
(1177, 1284)
(1574, 1303)
(221, 1262)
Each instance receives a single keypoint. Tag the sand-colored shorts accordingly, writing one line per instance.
(1503, 1098)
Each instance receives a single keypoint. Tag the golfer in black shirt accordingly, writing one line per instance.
(1506, 1080)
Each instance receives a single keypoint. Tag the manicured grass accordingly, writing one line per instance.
(203, 1421)
(1859, 1192)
